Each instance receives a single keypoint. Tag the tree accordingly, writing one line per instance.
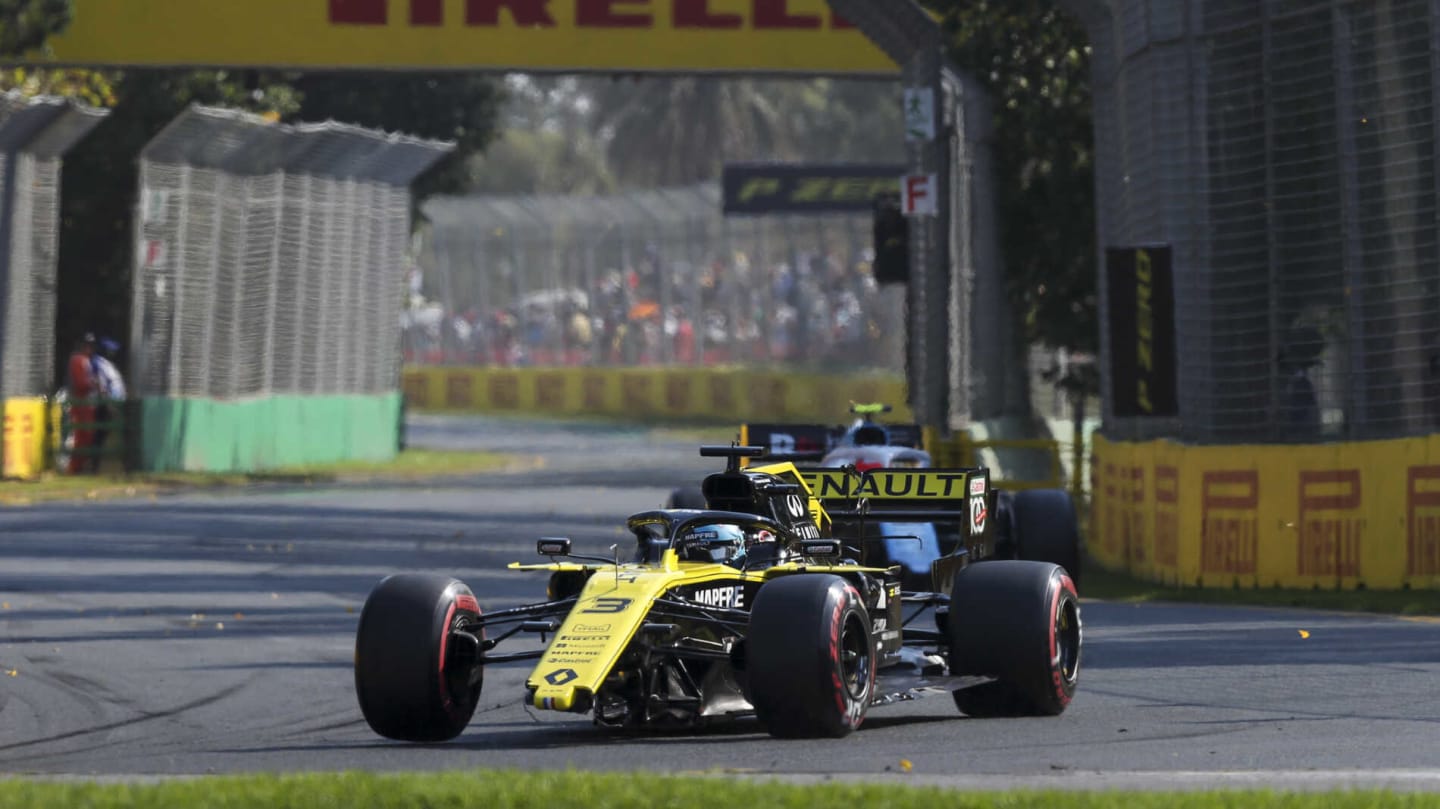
(673, 131)
(101, 176)
(677, 131)
(540, 161)
(458, 107)
(1035, 60)
(26, 24)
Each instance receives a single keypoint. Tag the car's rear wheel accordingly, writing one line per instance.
(417, 658)
(1018, 622)
(1046, 529)
(809, 657)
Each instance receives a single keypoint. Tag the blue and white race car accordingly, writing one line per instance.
(1033, 524)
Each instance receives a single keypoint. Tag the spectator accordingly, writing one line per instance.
(110, 390)
(80, 387)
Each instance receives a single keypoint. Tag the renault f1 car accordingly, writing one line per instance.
(751, 606)
(1034, 524)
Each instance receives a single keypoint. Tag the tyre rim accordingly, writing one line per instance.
(855, 658)
(457, 680)
(1067, 638)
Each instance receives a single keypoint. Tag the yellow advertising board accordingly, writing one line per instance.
(24, 438)
(723, 36)
(681, 394)
(1331, 516)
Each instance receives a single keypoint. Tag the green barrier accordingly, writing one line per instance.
(204, 435)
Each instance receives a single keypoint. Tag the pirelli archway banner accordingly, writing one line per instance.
(723, 36)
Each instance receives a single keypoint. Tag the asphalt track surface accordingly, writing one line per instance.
(214, 633)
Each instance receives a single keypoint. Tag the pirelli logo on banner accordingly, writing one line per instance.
(764, 36)
(677, 394)
(592, 393)
(550, 392)
(1229, 521)
(505, 391)
(765, 188)
(1167, 516)
(460, 389)
(637, 394)
(1134, 489)
(1124, 491)
(1331, 527)
(416, 385)
(1422, 520)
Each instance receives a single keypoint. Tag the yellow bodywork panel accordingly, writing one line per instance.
(610, 611)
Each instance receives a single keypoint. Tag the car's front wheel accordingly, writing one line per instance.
(809, 656)
(417, 658)
(1018, 622)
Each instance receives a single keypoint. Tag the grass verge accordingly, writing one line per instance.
(522, 790)
(1115, 586)
(412, 464)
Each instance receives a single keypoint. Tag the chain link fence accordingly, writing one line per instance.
(646, 278)
(1286, 150)
(271, 258)
(35, 134)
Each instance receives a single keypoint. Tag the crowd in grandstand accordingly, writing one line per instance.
(819, 309)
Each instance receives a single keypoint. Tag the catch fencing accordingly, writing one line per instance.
(35, 134)
(642, 278)
(271, 258)
(1286, 150)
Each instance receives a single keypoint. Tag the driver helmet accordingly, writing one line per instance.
(712, 543)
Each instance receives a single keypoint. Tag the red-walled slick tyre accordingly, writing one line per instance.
(809, 658)
(1018, 622)
(417, 658)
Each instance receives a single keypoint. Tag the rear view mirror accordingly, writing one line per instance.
(820, 547)
(553, 546)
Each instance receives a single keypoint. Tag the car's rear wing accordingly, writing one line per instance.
(810, 442)
(920, 495)
(790, 442)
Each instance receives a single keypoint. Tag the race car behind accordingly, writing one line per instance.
(1032, 524)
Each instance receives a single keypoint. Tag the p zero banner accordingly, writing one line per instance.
(762, 36)
(1142, 331)
(769, 188)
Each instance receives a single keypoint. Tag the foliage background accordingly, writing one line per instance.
(593, 134)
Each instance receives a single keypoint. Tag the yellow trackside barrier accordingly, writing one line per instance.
(1332, 516)
(24, 438)
(728, 395)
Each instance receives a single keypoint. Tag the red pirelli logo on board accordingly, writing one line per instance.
(459, 389)
(1331, 527)
(1121, 521)
(1229, 523)
(1167, 516)
(1422, 521)
(758, 15)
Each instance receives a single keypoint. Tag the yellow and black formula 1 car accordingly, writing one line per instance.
(750, 606)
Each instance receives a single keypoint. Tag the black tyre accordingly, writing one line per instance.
(1018, 622)
(416, 681)
(809, 658)
(1046, 529)
(686, 497)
